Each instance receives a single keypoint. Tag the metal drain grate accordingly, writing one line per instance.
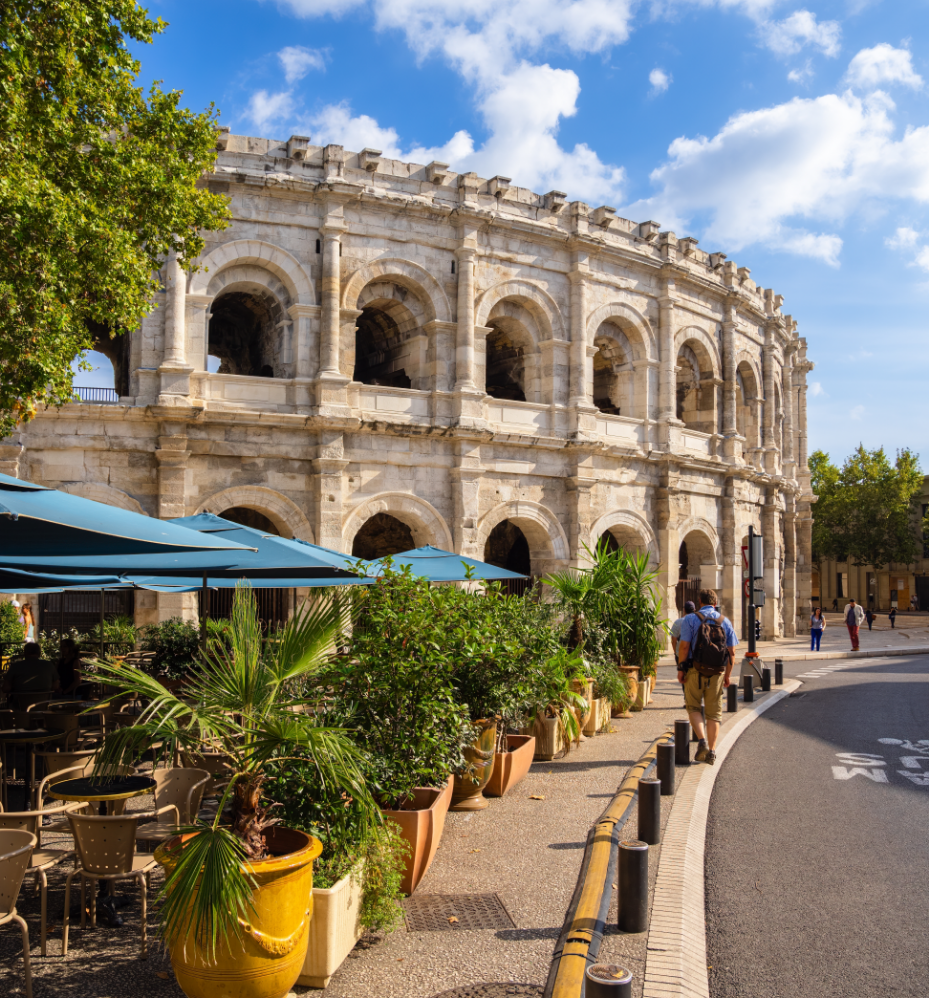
(441, 912)
(495, 990)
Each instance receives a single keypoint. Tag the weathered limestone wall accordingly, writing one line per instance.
(452, 298)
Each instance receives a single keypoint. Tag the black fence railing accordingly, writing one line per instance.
(83, 394)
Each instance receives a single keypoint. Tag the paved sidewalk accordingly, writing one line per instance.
(526, 851)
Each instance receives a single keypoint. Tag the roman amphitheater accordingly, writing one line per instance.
(377, 355)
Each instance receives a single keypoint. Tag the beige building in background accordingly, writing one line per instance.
(378, 354)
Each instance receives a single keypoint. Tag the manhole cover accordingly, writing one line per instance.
(494, 990)
(437, 912)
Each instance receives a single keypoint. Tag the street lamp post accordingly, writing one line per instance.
(751, 664)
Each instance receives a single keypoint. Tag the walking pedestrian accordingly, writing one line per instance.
(893, 617)
(705, 656)
(835, 605)
(854, 615)
(676, 626)
(817, 626)
(869, 617)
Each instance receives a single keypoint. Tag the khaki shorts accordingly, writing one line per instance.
(704, 691)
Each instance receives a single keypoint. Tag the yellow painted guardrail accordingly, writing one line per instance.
(571, 956)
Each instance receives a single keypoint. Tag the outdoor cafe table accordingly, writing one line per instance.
(90, 789)
(30, 737)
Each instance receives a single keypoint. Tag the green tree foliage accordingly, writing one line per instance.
(866, 511)
(97, 183)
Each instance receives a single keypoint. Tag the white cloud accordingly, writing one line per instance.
(336, 124)
(903, 238)
(883, 64)
(794, 33)
(298, 61)
(265, 109)
(816, 389)
(802, 75)
(857, 412)
(922, 259)
(767, 176)
(660, 80)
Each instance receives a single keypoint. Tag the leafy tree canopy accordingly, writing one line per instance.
(866, 512)
(97, 184)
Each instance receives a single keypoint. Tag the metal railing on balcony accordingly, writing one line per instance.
(82, 394)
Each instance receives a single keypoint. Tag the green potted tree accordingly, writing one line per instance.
(237, 899)
(393, 685)
(557, 704)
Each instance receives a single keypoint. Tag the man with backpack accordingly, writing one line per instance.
(705, 656)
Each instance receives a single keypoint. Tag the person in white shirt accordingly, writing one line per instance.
(854, 615)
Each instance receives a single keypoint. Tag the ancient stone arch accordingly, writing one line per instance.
(406, 273)
(548, 543)
(424, 520)
(697, 525)
(256, 252)
(631, 530)
(703, 344)
(103, 493)
(535, 299)
(633, 324)
(284, 513)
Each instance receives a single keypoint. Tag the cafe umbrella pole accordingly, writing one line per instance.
(203, 611)
(102, 609)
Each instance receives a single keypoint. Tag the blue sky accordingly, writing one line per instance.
(793, 136)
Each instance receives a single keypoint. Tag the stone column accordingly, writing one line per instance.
(579, 379)
(197, 324)
(172, 456)
(804, 561)
(667, 370)
(803, 368)
(788, 458)
(767, 435)
(175, 352)
(331, 234)
(306, 353)
(464, 340)
(329, 490)
(578, 491)
(732, 448)
(771, 531)
(466, 488)
(669, 543)
(730, 586)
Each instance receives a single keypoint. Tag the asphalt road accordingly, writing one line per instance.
(817, 860)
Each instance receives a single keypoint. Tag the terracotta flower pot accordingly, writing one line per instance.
(266, 961)
(594, 720)
(421, 823)
(468, 787)
(510, 767)
(334, 930)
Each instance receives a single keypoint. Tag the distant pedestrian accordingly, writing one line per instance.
(676, 626)
(835, 605)
(893, 617)
(817, 626)
(28, 623)
(869, 617)
(914, 603)
(854, 615)
(705, 656)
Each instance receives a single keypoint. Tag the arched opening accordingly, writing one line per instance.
(273, 604)
(244, 333)
(506, 365)
(384, 351)
(694, 554)
(696, 388)
(614, 377)
(245, 516)
(507, 547)
(625, 537)
(382, 535)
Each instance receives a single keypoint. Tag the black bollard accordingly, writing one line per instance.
(778, 672)
(608, 980)
(682, 743)
(650, 811)
(732, 704)
(633, 886)
(765, 680)
(748, 689)
(693, 734)
(666, 768)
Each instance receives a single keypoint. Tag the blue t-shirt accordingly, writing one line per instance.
(692, 624)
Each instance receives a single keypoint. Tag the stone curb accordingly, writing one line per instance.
(675, 962)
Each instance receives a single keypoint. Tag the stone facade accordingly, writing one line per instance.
(377, 337)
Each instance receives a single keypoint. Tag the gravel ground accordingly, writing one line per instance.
(526, 851)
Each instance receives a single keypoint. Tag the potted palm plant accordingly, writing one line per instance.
(237, 898)
(558, 706)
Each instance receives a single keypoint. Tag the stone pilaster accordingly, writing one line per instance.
(730, 585)
(328, 490)
(465, 492)
(172, 456)
(732, 443)
(768, 413)
(578, 494)
(174, 372)
(790, 567)
(788, 457)
(773, 551)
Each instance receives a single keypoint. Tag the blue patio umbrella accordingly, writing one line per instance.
(47, 531)
(14, 580)
(437, 565)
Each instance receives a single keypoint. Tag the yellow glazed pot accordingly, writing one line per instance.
(266, 961)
